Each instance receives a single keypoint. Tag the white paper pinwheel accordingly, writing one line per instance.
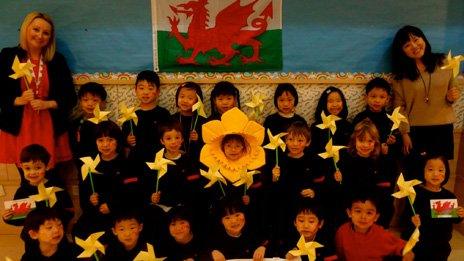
(213, 176)
(406, 188)
(22, 69)
(99, 116)
(199, 107)
(396, 117)
(89, 167)
(453, 63)
(412, 241)
(306, 248)
(257, 104)
(47, 194)
(328, 122)
(148, 255)
(127, 114)
(331, 151)
(246, 178)
(161, 165)
(90, 245)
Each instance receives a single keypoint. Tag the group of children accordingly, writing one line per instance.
(336, 204)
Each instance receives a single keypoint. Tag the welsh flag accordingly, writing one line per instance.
(217, 35)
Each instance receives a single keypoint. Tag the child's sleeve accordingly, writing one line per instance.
(395, 244)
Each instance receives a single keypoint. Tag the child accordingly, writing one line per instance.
(82, 133)
(186, 97)
(285, 100)
(234, 239)
(435, 233)
(361, 238)
(224, 97)
(34, 160)
(43, 233)
(144, 140)
(309, 223)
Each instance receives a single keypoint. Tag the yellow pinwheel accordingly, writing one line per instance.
(412, 241)
(22, 70)
(199, 107)
(148, 255)
(397, 118)
(89, 167)
(406, 189)
(91, 245)
(246, 178)
(328, 122)
(453, 63)
(306, 248)
(99, 116)
(214, 176)
(257, 104)
(47, 194)
(332, 151)
(160, 164)
(128, 114)
(275, 142)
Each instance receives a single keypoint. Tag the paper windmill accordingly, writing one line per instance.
(47, 194)
(148, 255)
(396, 117)
(91, 245)
(453, 63)
(199, 107)
(246, 178)
(213, 175)
(412, 241)
(306, 248)
(256, 104)
(160, 164)
(127, 114)
(331, 151)
(89, 167)
(407, 190)
(22, 69)
(275, 141)
(328, 122)
(99, 116)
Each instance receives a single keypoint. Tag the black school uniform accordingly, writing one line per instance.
(65, 251)
(192, 148)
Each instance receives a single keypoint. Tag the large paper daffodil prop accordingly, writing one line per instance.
(161, 165)
(200, 108)
(148, 255)
(328, 122)
(275, 142)
(407, 190)
(214, 176)
(397, 118)
(22, 70)
(257, 104)
(453, 63)
(91, 245)
(332, 151)
(306, 248)
(99, 116)
(233, 121)
(128, 114)
(89, 167)
(47, 194)
(246, 178)
(412, 241)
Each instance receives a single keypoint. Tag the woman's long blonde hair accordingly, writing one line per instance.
(50, 49)
(364, 127)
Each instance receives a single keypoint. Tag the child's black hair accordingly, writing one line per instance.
(285, 87)
(228, 206)
(36, 218)
(430, 156)
(191, 86)
(34, 152)
(309, 206)
(322, 104)
(169, 126)
(363, 195)
(223, 88)
(126, 214)
(149, 76)
(380, 83)
(236, 137)
(92, 88)
(110, 129)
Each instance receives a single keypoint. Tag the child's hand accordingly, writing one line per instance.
(94, 199)
(104, 209)
(258, 255)
(8, 214)
(407, 144)
(275, 174)
(409, 256)
(246, 200)
(131, 140)
(289, 256)
(391, 139)
(308, 193)
(26, 97)
(452, 94)
(384, 148)
(460, 212)
(338, 176)
(193, 135)
(156, 197)
(416, 220)
(218, 256)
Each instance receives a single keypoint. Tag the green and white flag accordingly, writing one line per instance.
(217, 35)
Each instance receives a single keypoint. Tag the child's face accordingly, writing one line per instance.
(365, 145)
(34, 171)
(224, 102)
(234, 223)
(307, 224)
(146, 92)
(363, 215)
(234, 150)
(186, 99)
(286, 103)
(334, 103)
(377, 99)
(88, 103)
(415, 47)
(296, 144)
(434, 173)
(180, 230)
(107, 147)
(127, 232)
(172, 141)
(50, 233)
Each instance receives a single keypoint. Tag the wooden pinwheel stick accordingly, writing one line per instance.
(277, 156)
